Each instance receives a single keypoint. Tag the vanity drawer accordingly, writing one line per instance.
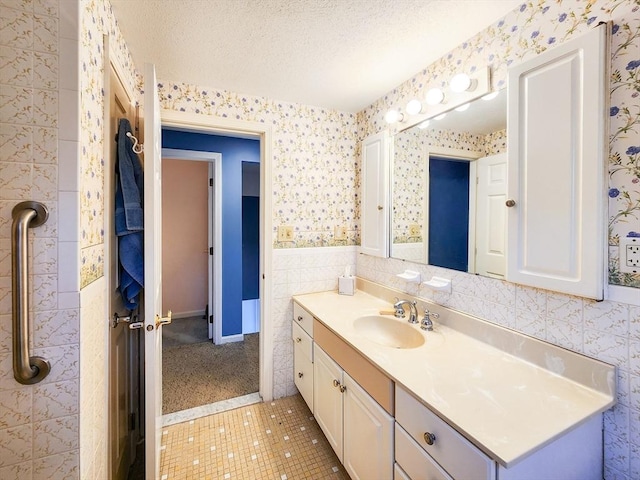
(301, 341)
(460, 458)
(303, 318)
(417, 463)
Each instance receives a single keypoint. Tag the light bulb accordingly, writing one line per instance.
(434, 96)
(461, 83)
(414, 107)
(440, 117)
(462, 108)
(491, 96)
(424, 124)
(393, 116)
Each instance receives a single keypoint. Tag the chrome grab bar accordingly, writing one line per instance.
(26, 370)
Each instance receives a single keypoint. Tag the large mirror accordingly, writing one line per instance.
(449, 189)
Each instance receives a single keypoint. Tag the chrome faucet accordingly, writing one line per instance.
(426, 323)
(413, 310)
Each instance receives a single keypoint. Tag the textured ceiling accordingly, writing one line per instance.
(341, 54)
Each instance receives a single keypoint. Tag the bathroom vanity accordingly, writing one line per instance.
(468, 400)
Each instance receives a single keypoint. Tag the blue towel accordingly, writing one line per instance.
(129, 218)
(129, 186)
(131, 259)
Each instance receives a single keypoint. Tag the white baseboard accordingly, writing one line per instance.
(232, 338)
(193, 313)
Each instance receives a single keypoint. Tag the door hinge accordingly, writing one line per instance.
(211, 182)
(210, 318)
(132, 420)
(210, 250)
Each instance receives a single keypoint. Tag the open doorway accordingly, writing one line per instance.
(211, 264)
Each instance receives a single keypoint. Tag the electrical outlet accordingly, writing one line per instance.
(285, 233)
(340, 233)
(414, 230)
(630, 254)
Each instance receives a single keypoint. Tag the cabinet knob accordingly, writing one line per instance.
(300, 374)
(342, 388)
(298, 339)
(336, 383)
(380, 207)
(510, 203)
(299, 318)
(430, 438)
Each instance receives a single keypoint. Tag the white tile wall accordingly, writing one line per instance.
(39, 424)
(297, 271)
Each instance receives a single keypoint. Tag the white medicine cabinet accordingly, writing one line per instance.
(556, 203)
(374, 207)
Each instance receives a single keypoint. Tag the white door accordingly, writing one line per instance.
(375, 195)
(152, 274)
(368, 435)
(557, 150)
(327, 398)
(491, 216)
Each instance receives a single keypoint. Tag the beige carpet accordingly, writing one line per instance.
(203, 373)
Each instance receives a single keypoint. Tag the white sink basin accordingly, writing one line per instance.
(388, 332)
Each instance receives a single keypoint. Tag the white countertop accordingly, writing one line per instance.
(506, 406)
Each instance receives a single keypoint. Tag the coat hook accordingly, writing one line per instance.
(137, 147)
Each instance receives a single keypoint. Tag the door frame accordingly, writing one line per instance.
(194, 122)
(214, 218)
(464, 156)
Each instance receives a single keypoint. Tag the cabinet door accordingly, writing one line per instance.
(303, 372)
(557, 150)
(327, 398)
(374, 206)
(368, 435)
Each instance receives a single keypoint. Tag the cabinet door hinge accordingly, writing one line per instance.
(210, 318)
(210, 250)
(211, 182)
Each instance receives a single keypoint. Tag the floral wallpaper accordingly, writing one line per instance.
(315, 179)
(527, 31)
(97, 20)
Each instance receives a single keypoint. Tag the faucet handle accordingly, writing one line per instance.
(426, 323)
(399, 310)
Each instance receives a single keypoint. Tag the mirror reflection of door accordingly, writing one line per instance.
(491, 215)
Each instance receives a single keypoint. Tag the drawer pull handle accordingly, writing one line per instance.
(336, 383)
(300, 374)
(430, 438)
(298, 339)
(300, 318)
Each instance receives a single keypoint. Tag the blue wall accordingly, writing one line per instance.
(234, 151)
(449, 213)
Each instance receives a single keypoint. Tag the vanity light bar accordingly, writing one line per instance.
(462, 89)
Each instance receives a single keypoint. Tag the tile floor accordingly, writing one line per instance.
(277, 440)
